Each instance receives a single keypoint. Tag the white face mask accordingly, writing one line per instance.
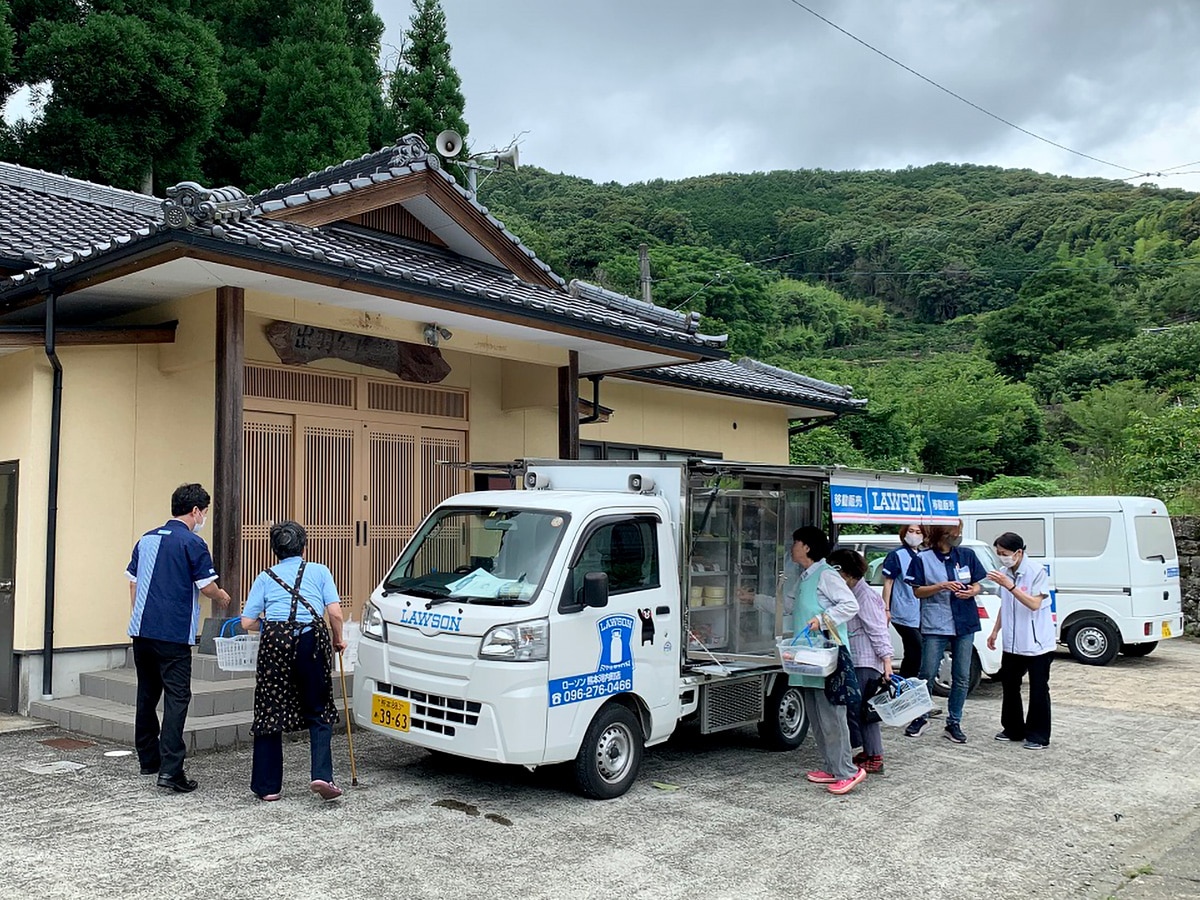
(200, 524)
(1007, 561)
(913, 540)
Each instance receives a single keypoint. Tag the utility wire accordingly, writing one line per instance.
(961, 98)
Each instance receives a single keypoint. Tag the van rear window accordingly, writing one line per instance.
(1155, 539)
(1032, 531)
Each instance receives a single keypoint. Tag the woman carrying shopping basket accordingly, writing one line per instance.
(822, 598)
(871, 648)
(290, 601)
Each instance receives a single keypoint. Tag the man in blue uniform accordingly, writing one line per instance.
(171, 567)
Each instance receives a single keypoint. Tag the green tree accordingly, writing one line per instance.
(1003, 486)
(262, 44)
(316, 105)
(1164, 458)
(135, 93)
(1060, 309)
(1098, 427)
(425, 94)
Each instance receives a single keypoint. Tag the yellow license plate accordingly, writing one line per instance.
(389, 712)
(1166, 630)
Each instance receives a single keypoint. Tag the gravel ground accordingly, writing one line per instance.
(1111, 809)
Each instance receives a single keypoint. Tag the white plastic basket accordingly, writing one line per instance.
(909, 703)
(238, 653)
(802, 659)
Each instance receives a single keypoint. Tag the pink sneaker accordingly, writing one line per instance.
(327, 789)
(820, 777)
(847, 784)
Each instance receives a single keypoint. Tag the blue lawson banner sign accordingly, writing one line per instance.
(879, 498)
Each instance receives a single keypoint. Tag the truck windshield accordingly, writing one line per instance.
(479, 555)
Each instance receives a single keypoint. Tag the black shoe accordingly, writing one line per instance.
(180, 783)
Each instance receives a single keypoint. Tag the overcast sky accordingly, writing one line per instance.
(629, 90)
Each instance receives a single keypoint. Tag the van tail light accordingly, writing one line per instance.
(1146, 629)
(983, 612)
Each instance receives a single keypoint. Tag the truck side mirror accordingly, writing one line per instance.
(595, 589)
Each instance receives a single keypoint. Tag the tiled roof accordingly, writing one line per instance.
(755, 380)
(44, 217)
(77, 224)
(408, 156)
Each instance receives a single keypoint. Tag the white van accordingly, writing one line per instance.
(1112, 563)
(876, 547)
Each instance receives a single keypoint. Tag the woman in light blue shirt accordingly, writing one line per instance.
(294, 690)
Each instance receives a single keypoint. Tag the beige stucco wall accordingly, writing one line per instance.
(139, 420)
(658, 416)
(136, 422)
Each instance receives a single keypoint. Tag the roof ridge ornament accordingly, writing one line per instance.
(408, 150)
(189, 203)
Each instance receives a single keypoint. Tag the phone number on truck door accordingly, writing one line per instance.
(589, 687)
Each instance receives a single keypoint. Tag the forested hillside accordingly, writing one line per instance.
(1030, 331)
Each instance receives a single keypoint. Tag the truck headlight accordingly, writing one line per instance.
(519, 642)
(372, 623)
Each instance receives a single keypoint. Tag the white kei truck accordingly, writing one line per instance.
(583, 617)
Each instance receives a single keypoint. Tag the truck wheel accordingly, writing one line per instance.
(1139, 649)
(1094, 642)
(611, 754)
(943, 680)
(785, 723)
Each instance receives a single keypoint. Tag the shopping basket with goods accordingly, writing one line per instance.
(238, 653)
(904, 700)
(808, 654)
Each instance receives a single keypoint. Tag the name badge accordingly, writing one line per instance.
(962, 573)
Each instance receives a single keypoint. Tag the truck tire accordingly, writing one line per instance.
(942, 680)
(785, 722)
(611, 754)
(1139, 649)
(1094, 642)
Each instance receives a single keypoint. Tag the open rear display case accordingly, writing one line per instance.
(740, 575)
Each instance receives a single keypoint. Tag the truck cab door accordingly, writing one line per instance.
(629, 645)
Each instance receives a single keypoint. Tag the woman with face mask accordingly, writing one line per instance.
(903, 609)
(1026, 621)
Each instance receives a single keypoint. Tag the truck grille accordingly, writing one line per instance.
(429, 712)
(728, 704)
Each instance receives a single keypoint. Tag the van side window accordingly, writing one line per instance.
(625, 548)
(1033, 531)
(1081, 536)
(1155, 540)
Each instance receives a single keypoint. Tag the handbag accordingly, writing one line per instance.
(841, 686)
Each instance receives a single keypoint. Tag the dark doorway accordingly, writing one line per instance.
(8, 574)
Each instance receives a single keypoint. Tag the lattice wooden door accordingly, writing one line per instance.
(329, 490)
(268, 487)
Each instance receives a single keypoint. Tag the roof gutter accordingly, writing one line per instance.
(52, 491)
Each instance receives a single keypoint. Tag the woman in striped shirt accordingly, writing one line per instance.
(871, 648)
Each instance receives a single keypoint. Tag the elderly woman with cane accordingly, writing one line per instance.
(290, 602)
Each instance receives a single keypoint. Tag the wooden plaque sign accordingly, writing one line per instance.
(297, 344)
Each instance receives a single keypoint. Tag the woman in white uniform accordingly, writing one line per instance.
(1026, 623)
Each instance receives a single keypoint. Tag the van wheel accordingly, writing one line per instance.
(1094, 642)
(943, 680)
(611, 754)
(785, 723)
(1139, 649)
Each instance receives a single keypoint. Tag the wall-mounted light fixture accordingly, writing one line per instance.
(435, 333)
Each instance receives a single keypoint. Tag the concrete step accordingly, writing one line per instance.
(208, 697)
(110, 720)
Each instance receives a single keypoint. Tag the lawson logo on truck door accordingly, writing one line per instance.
(614, 669)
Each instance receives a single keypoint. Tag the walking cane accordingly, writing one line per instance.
(346, 712)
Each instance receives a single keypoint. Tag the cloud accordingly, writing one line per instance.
(626, 91)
